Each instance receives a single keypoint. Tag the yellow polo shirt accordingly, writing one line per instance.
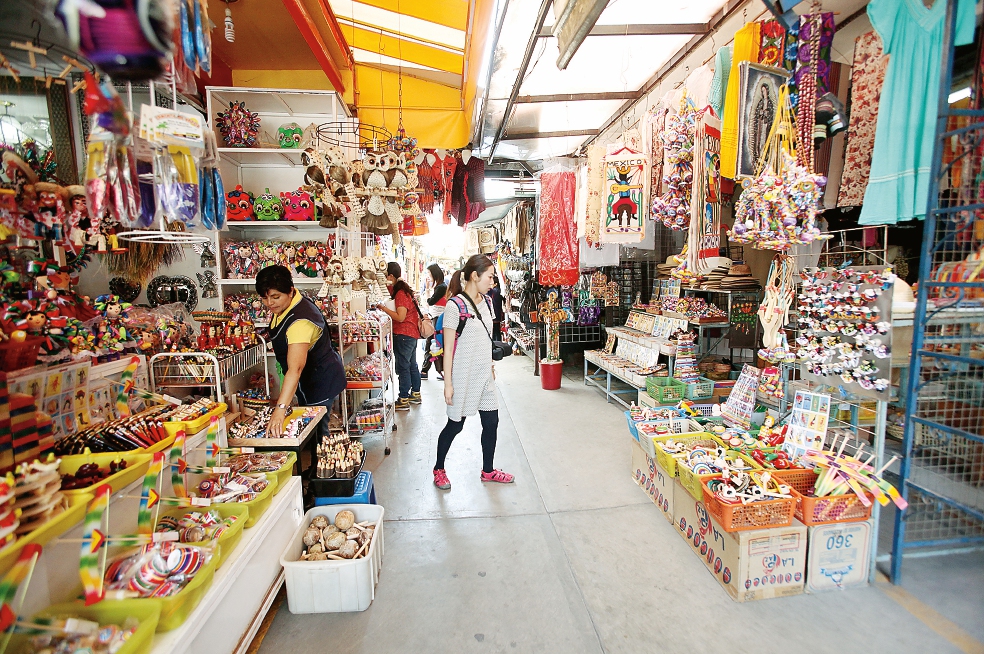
(301, 331)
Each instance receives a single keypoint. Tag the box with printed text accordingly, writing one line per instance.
(837, 556)
(655, 481)
(751, 565)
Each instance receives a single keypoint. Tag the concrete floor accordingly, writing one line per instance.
(575, 558)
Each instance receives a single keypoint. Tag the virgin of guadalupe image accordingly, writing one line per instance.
(763, 113)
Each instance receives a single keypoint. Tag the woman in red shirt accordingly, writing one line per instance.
(405, 335)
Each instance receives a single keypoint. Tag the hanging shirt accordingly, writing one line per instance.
(912, 36)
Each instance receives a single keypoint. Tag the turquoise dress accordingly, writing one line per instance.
(912, 36)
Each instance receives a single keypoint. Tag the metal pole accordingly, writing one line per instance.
(925, 274)
(881, 413)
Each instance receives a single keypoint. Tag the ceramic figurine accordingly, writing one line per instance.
(268, 206)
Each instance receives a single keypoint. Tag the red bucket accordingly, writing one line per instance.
(550, 373)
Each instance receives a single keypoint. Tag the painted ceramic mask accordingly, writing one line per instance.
(239, 205)
(297, 205)
(289, 135)
(268, 206)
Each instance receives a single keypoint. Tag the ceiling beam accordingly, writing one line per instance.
(519, 136)
(578, 97)
(637, 30)
(541, 18)
(308, 29)
(336, 33)
(730, 7)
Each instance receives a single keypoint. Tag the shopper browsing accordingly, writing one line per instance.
(437, 300)
(469, 376)
(312, 368)
(405, 336)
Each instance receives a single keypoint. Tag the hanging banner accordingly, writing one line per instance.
(558, 240)
(705, 205)
(626, 176)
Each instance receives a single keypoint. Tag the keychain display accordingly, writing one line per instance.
(845, 328)
(673, 207)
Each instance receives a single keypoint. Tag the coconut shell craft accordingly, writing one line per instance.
(343, 540)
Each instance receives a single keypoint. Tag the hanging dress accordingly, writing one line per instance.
(912, 37)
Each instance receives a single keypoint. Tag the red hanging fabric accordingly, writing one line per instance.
(558, 231)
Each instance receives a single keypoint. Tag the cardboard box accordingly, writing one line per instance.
(751, 565)
(655, 481)
(838, 556)
(646, 400)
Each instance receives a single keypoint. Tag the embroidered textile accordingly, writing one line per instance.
(558, 261)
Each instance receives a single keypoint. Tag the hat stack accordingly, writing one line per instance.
(715, 276)
(739, 278)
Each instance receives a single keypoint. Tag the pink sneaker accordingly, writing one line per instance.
(498, 476)
(441, 479)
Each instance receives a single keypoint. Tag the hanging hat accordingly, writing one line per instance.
(74, 190)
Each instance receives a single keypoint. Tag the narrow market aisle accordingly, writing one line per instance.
(574, 557)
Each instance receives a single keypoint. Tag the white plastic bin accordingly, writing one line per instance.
(333, 586)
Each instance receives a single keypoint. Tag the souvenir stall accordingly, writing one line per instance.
(777, 335)
(134, 394)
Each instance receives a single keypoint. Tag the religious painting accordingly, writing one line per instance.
(758, 104)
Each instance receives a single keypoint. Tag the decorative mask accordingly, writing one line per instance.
(268, 206)
(289, 135)
(297, 205)
(239, 205)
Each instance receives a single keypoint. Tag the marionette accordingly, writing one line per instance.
(78, 223)
(49, 213)
(114, 324)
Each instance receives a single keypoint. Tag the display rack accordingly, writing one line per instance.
(233, 606)
(942, 467)
(355, 342)
(187, 370)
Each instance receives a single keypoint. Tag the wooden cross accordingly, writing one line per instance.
(5, 63)
(31, 50)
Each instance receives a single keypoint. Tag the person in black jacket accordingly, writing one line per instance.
(437, 300)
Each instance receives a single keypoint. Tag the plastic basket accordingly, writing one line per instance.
(16, 355)
(692, 482)
(192, 427)
(812, 511)
(136, 468)
(230, 537)
(650, 429)
(50, 530)
(632, 425)
(333, 586)
(666, 460)
(176, 609)
(665, 389)
(106, 613)
(282, 475)
(700, 389)
(747, 517)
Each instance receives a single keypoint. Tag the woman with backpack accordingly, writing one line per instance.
(469, 375)
(405, 335)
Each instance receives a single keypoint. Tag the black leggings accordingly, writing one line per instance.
(490, 428)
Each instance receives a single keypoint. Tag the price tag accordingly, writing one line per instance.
(247, 450)
(201, 501)
(163, 536)
(79, 626)
(221, 470)
(324, 290)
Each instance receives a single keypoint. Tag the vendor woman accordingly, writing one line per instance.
(311, 367)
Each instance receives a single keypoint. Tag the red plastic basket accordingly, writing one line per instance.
(15, 355)
(746, 517)
(828, 510)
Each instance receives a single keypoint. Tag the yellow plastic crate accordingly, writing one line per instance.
(282, 475)
(136, 468)
(192, 427)
(667, 461)
(230, 537)
(50, 530)
(106, 613)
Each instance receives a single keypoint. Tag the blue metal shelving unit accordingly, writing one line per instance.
(942, 471)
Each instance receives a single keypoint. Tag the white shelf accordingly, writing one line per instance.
(294, 225)
(261, 156)
(234, 604)
(249, 282)
(282, 102)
